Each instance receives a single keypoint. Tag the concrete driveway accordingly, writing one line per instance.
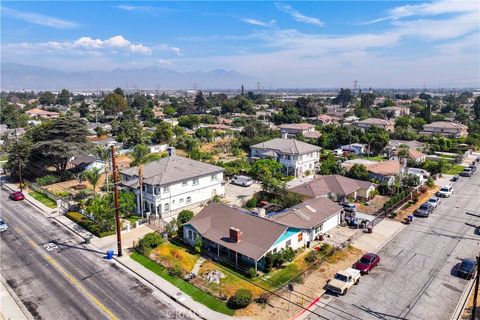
(416, 278)
(238, 195)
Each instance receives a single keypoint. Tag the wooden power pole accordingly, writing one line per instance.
(117, 206)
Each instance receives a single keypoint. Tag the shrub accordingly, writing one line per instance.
(252, 203)
(88, 224)
(311, 257)
(62, 194)
(198, 245)
(175, 271)
(268, 262)
(263, 298)
(251, 273)
(148, 242)
(47, 180)
(83, 194)
(241, 299)
(288, 254)
(430, 183)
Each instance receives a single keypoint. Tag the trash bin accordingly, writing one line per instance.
(410, 218)
(369, 229)
(110, 254)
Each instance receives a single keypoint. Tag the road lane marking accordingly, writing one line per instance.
(72, 280)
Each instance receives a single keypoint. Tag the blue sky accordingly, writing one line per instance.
(283, 44)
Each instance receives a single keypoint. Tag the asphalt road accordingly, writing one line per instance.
(416, 278)
(57, 277)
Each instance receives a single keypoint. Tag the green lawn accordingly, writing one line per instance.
(133, 219)
(43, 199)
(375, 158)
(455, 169)
(194, 292)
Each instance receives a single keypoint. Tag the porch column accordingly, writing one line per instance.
(256, 265)
(138, 202)
(218, 250)
(236, 258)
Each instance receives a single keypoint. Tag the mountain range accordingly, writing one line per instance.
(23, 77)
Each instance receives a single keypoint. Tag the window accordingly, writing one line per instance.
(181, 200)
(190, 234)
(157, 190)
(300, 237)
(166, 206)
(214, 176)
(288, 243)
(189, 199)
(195, 235)
(318, 229)
(195, 182)
(274, 250)
(166, 189)
(184, 183)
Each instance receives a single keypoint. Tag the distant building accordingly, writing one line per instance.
(356, 148)
(298, 158)
(43, 114)
(291, 130)
(396, 111)
(376, 122)
(326, 119)
(446, 129)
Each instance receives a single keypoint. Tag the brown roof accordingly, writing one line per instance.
(445, 125)
(258, 234)
(414, 154)
(312, 134)
(308, 214)
(376, 121)
(385, 168)
(298, 126)
(171, 169)
(41, 112)
(337, 184)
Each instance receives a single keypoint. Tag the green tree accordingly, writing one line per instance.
(200, 103)
(367, 99)
(139, 102)
(18, 155)
(307, 107)
(93, 176)
(265, 167)
(119, 91)
(418, 123)
(329, 165)
(344, 97)
(147, 115)
(47, 98)
(113, 103)
(128, 130)
(358, 171)
(163, 133)
(476, 109)
(64, 98)
(12, 116)
(105, 155)
(368, 138)
(83, 110)
(169, 111)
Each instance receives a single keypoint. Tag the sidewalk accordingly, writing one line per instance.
(170, 290)
(9, 309)
(128, 238)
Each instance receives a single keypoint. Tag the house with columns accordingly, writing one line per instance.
(173, 184)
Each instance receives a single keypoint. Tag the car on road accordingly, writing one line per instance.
(467, 268)
(467, 172)
(445, 192)
(367, 262)
(455, 178)
(3, 225)
(242, 181)
(473, 168)
(17, 196)
(343, 280)
(424, 210)
(434, 201)
(349, 207)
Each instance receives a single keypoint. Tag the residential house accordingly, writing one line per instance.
(375, 122)
(326, 119)
(174, 183)
(156, 148)
(335, 187)
(291, 130)
(446, 129)
(43, 114)
(310, 219)
(84, 163)
(297, 158)
(413, 155)
(384, 171)
(395, 112)
(356, 148)
(395, 144)
(239, 237)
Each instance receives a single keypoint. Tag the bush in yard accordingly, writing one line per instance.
(430, 183)
(148, 242)
(198, 245)
(278, 259)
(241, 299)
(268, 262)
(252, 203)
(47, 180)
(288, 254)
(175, 271)
(263, 298)
(311, 257)
(251, 273)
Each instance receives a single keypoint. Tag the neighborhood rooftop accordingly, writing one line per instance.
(287, 146)
(333, 183)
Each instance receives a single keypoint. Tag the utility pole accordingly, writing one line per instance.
(475, 293)
(117, 206)
(18, 155)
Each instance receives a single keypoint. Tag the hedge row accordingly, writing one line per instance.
(396, 199)
(88, 224)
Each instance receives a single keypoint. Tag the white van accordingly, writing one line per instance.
(242, 181)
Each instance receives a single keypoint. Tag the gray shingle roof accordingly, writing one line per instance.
(258, 234)
(287, 146)
(172, 169)
(337, 184)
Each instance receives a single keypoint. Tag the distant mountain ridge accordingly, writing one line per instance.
(18, 77)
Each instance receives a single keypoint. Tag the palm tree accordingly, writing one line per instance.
(93, 176)
(402, 154)
(104, 154)
(368, 137)
(139, 159)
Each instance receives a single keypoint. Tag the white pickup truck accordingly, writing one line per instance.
(344, 280)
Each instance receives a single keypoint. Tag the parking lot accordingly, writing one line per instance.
(238, 195)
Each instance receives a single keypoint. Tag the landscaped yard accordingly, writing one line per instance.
(43, 199)
(455, 169)
(88, 224)
(375, 158)
(133, 219)
(170, 256)
(189, 289)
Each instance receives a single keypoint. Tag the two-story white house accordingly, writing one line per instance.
(173, 184)
(298, 158)
(446, 129)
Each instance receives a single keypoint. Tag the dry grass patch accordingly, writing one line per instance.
(171, 256)
(403, 213)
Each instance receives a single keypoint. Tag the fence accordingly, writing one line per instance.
(63, 204)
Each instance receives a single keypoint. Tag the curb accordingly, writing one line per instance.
(16, 299)
(463, 300)
(161, 290)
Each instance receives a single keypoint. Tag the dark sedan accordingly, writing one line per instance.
(17, 196)
(424, 210)
(467, 268)
(367, 262)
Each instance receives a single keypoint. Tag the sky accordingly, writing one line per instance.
(282, 44)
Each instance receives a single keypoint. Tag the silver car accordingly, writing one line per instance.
(434, 201)
(3, 226)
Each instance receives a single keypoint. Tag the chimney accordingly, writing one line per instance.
(284, 135)
(171, 151)
(235, 234)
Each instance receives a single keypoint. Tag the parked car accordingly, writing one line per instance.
(349, 207)
(17, 196)
(424, 210)
(434, 201)
(467, 172)
(455, 178)
(343, 280)
(367, 262)
(242, 181)
(3, 225)
(467, 268)
(445, 192)
(473, 168)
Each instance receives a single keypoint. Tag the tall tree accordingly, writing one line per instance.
(307, 107)
(47, 98)
(93, 176)
(200, 103)
(139, 102)
(113, 103)
(119, 91)
(367, 99)
(476, 109)
(63, 97)
(105, 155)
(344, 97)
(163, 133)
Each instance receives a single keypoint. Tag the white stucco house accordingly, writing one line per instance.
(298, 158)
(173, 184)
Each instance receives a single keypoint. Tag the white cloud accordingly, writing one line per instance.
(87, 44)
(297, 15)
(39, 19)
(164, 47)
(164, 62)
(256, 22)
(147, 9)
